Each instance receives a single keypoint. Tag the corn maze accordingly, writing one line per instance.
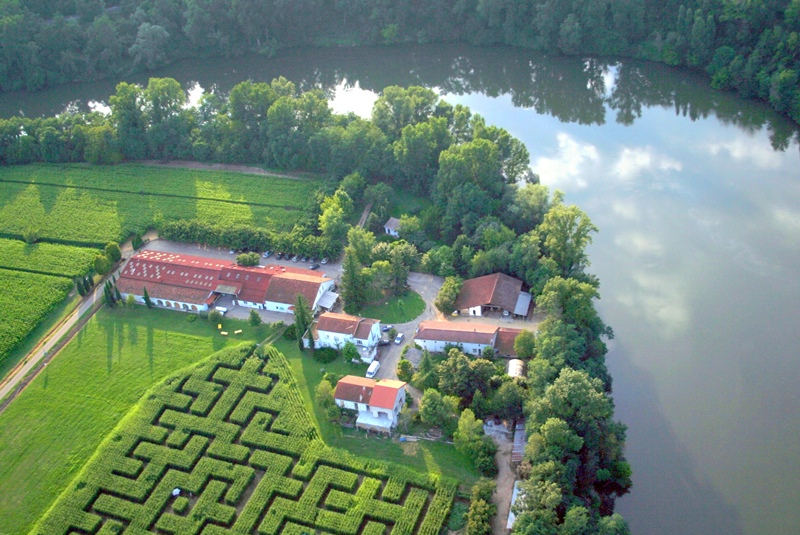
(229, 448)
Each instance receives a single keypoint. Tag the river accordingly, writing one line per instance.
(697, 197)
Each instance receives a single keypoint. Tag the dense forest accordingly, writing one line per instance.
(751, 47)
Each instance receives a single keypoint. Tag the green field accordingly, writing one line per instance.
(54, 258)
(48, 433)
(94, 204)
(232, 435)
(25, 300)
(396, 309)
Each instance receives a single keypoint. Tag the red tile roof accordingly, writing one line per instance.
(456, 332)
(505, 341)
(497, 289)
(163, 291)
(174, 272)
(354, 388)
(285, 287)
(382, 394)
(346, 324)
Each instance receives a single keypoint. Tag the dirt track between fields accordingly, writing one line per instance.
(234, 168)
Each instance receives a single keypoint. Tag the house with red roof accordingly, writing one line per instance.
(193, 283)
(472, 338)
(378, 403)
(497, 291)
(335, 330)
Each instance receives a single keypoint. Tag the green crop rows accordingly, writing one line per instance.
(25, 300)
(233, 436)
(94, 205)
(57, 259)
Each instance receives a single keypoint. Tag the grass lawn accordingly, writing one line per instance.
(48, 433)
(396, 309)
(97, 204)
(423, 455)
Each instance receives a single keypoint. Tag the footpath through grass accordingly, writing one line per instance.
(425, 456)
(97, 204)
(48, 433)
(396, 309)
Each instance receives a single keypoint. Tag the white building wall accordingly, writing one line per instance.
(391, 232)
(437, 346)
(168, 304)
(274, 306)
(324, 287)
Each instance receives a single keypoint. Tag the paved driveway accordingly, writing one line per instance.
(426, 286)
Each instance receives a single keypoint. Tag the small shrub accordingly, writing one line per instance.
(325, 355)
(215, 317)
(255, 318)
(30, 235)
(405, 370)
(248, 259)
(290, 333)
(136, 241)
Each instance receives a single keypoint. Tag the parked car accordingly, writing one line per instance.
(506, 313)
(399, 339)
(313, 266)
(373, 369)
(386, 328)
(231, 251)
(323, 261)
(266, 254)
(221, 310)
(295, 258)
(383, 342)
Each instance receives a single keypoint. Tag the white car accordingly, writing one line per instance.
(373, 369)
(399, 339)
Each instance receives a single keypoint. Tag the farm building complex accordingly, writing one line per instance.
(497, 291)
(194, 283)
(472, 338)
(378, 402)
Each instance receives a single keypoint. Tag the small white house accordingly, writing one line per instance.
(335, 330)
(378, 402)
(392, 227)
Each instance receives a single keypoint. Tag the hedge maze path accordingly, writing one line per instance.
(234, 437)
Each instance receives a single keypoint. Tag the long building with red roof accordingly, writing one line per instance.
(471, 337)
(193, 283)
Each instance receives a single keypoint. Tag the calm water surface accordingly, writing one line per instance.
(697, 197)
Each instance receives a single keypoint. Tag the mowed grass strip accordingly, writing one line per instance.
(25, 300)
(65, 260)
(48, 433)
(96, 217)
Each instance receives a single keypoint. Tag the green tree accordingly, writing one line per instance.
(255, 318)
(149, 48)
(112, 252)
(405, 370)
(215, 317)
(302, 321)
(445, 300)
(354, 284)
(468, 435)
(461, 376)
(323, 394)
(438, 411)
(350, 352)
(102, 265)
(129, 121)
(566, 231)
(146, 298)
(525, 344)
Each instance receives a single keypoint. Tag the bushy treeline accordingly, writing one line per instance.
(747, 46)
